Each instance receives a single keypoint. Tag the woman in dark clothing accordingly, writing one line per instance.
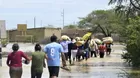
(87, 49)
(108, 48)
(80, 52)
(74, 50)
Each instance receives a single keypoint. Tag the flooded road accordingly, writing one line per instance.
(111, 66)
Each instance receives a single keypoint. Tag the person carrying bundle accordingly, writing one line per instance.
(102, 50)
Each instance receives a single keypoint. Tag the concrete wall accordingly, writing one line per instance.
(74, 32)
(50, 31)
(38, 34)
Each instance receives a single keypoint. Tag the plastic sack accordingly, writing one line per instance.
(107, 39)
(86, 36)
(78, 38)
(65, 37)
(92, 42)
(80, 43)
(98, 41)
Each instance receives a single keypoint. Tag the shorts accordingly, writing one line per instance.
(15, 72)
(54, 70)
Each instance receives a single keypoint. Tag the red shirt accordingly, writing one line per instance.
(15, 59)
(102, 48)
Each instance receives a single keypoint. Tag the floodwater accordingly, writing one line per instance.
(111, 66)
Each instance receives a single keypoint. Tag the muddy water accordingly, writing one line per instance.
(111, 66)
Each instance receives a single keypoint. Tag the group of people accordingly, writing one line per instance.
(74, 52)
(51, 52)
(68, 50)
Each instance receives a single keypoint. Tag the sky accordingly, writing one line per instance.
(47, 12)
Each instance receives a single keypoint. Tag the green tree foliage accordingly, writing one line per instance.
(104, 21)
(70, 26)
(127, 8)
(133, 42)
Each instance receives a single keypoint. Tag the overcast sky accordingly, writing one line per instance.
(48, 11)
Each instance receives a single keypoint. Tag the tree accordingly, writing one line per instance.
(127, 8)
(70, 26)
(130, 10)
(133, 42)
(104, 21)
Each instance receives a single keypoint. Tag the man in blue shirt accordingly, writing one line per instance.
(53, 51)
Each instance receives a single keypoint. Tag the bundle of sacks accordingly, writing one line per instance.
(65, 37)
(108, 40)
(80, 43)
(98, 41)
(78, 38)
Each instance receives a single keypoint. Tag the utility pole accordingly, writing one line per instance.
(34, 22)
(63, 15)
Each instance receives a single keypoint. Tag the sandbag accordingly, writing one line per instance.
(92, 42)
(65, 37)
(80, 43)
(108, 40)
(98, 41)
(78, 38)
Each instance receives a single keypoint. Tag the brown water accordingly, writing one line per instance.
(109, 67)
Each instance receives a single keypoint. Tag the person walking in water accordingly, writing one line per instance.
(93, 48)
(14, 61)
(102, 50)
(64, 44)
(108, 48)
(53, 51)
(74, 50)
(38, 62)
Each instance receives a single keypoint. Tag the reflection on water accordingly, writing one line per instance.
(109, 67)
(131, 73)
(84, 68)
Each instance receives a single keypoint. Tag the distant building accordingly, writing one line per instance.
(3, 29)
(33, 34)
(74, 32)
